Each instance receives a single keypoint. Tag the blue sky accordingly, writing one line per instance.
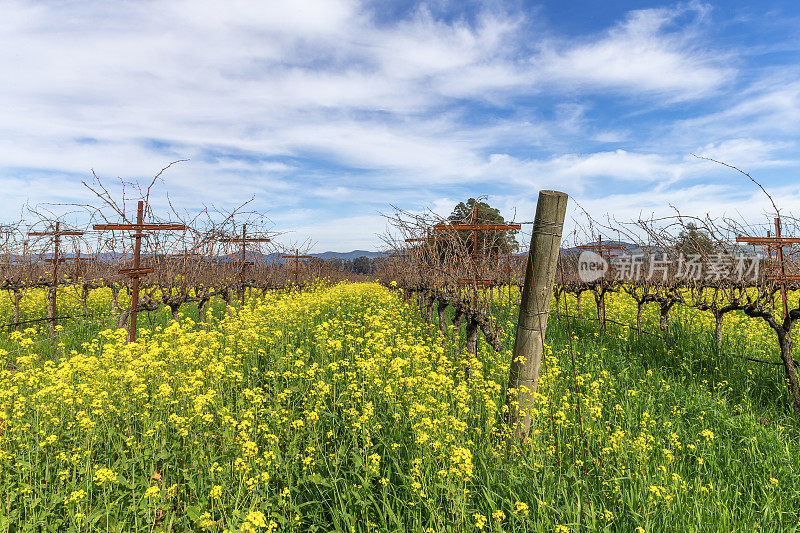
(329, 111)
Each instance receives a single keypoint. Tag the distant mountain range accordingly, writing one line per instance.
(258, 257)
(348, 255)
(325, 256)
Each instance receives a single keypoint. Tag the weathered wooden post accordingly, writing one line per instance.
(297, 257)
(244, 239)
(137, 271)
(534, 308)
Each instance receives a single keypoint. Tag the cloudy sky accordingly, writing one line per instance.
(328, 111)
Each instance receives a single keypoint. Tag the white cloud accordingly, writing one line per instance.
(769, 107)
(639, 55)
(343, 233)
(576, 172)
(748, 153)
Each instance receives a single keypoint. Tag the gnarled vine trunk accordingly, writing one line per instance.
(51, 311)
(85, 288)
(785, 341)
(639, 312)
(202, 309)
(17, 299)
(663, 320)
(442, 308)
(718, 317)
(472, 346)
(600, 300)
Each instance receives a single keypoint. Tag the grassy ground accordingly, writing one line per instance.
(337, 409)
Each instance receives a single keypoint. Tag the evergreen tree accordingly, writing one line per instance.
(492, 242)
(692, 240)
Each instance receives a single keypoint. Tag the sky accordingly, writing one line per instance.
(326, 113)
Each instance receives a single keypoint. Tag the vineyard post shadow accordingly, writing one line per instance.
(534, 308)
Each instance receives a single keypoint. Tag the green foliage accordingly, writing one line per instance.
(494, 242)
(362, 265)
(693, 240)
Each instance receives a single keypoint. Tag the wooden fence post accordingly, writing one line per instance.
(137, 271)
(534, 308)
